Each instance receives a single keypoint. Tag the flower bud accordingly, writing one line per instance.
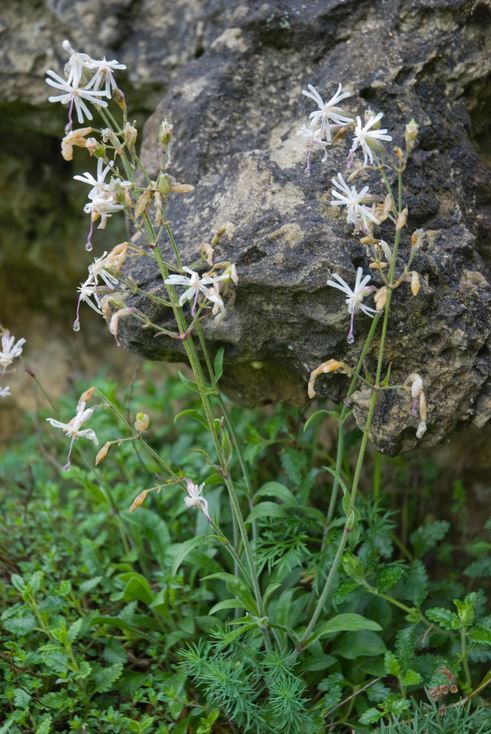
(165, 133)
(401, 220)
(130, 133)
(415, 284)
(411, 135)
(139, 500)
(102, 453)
(142, 421)
(417, 238)
(380, 298)
(87, 395)
(119, 98)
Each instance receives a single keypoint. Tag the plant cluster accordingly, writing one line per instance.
(257, 574)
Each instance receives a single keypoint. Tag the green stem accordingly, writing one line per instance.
(350, 514)
(465, 660)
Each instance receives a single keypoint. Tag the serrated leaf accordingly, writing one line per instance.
(428, 536)
(392, 665)
(481, 635)
(443, 618)
(90, 584)
(370, 716)
(21, 625)
(411, 678)
(18, 582)
(107, 677)
(74, 630)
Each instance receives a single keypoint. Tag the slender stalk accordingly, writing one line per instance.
(350, 515)
(465, 660)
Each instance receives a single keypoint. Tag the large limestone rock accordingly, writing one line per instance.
(236, 111)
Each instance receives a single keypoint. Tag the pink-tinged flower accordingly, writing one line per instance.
(313, 138)
(194, 285)
(196, 499)
(357, 213)
(11, 349)
(74, 96)
(367, 138)
(354, 297)
(73, 430)
(327, 111)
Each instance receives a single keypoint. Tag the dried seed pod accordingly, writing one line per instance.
(102, 453)
(138, 501)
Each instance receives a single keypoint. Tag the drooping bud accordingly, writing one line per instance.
(114, 322)
(332, 365)
(139, 500)
(398, 153)
(102, 453)
(379, 265)
(76, 138)
(142, 421)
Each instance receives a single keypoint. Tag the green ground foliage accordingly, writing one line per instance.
(114, 621)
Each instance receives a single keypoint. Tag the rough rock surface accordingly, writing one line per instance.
(236, 111)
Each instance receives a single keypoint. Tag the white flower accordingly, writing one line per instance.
(367, 138)
(74, 96)
(98, 270)
(5, 392)
(196, 498)
(327, 111)
(104, 76)
(75, 64)
(354, 297)
(10, 350)
(213, 295)
(98, 184)
(194, 285)
(102, 196)
(87, 294)
(356, 213)
(72, 428)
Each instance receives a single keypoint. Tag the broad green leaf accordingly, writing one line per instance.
(192, 413)
(275, 489)
(226, 604)
(218, 364)
(266, 509)
(348, 622)
(364, 643)
(137, 587)
(181, 550)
